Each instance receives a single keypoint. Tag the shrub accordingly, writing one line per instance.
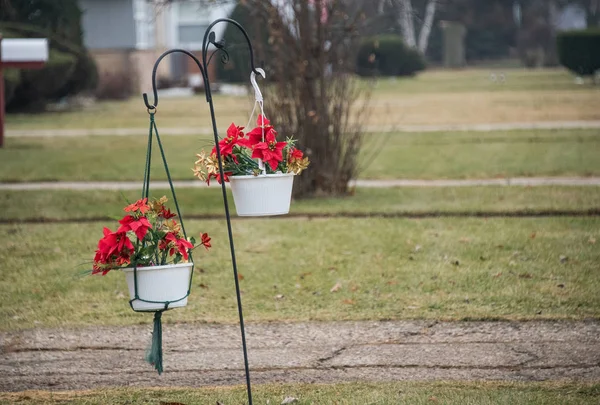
(38, 85)
(386, 55)
(12, 78)
(579, 51)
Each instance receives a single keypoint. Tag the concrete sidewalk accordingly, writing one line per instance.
(503, 126)
(134, 185)
(199, 355)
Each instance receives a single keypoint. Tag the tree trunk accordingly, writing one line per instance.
(406, 23)
(427, 25)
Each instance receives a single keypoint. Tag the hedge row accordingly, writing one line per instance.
(579, 51)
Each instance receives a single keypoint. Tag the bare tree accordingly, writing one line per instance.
(313, 95)
(407, 17)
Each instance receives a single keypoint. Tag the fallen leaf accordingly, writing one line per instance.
(455, 262)
(532, 236)
(497, 275)
(202, 285)
(305, 275)
(418, 248)
(561, 286)
(348, 302)
(433, 399)
(354, 288)
(563, 259)
(336, 287)
(525, 275)
(332, 268)
(464, 240)
(289, 400)
(240, 277)
(592, 240)
(392, 282)
(279, 296)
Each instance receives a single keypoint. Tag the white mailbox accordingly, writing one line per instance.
(20, 53)
(23, 50)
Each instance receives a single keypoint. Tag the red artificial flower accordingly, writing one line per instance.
(113, 248)
(264, 127)
(270, 152)
(138, 226)
(139, 205)
(166, 213)
(295, 154)
(218, 177)
(177, 244)
(226, 144)
(235, 131)
(205, 240)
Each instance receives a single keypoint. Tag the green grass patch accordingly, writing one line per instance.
(96, 204)
(445, 268)
(420, 156)
(450, 393)
(484, 155)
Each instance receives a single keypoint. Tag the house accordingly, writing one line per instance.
(125, 37)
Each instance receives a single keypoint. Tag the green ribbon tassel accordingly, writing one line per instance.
(154, 355)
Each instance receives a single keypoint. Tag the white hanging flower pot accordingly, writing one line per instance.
(262, 195)
(160, 284)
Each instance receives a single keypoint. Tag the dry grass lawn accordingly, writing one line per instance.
(433, 98)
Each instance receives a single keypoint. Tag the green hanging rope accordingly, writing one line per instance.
(154, 355)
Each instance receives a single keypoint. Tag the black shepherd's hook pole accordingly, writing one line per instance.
(209, 38)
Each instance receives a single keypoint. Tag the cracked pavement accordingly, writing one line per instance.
(198, 355)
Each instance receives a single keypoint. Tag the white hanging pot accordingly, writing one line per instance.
(262, 195)
(159, 283)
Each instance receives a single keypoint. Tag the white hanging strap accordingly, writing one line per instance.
(258, 101)
(257, 94)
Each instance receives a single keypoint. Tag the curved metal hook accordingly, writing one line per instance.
(154, 89)
(257, 93)
(209, 37)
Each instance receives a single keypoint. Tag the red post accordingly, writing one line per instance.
(1, 99)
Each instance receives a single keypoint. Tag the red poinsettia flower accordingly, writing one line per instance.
(166, 213)
(205, 240)
(138, 226)
(295, 154)
(226, 144)
(264, 128)
(139, 205)
(270, 152)
(177, 244)
(218, 177)
(235, 131)
(113, 248)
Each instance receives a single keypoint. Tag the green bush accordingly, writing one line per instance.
(386, 55)
(12, 78)
(38, 85)
(579, 51)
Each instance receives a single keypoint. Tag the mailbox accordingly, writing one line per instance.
(22, 53)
